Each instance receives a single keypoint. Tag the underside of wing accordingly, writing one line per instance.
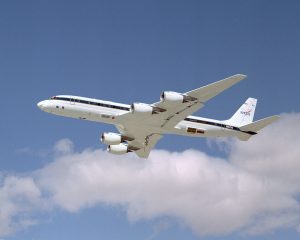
(143, 141)
(145, 123)
(149, 143)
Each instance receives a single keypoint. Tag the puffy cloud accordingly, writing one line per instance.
(254, 189)
(19, 197)
(64, 146)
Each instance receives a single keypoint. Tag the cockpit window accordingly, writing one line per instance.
(54, 97)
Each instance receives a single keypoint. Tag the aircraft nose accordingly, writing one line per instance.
(40, 105)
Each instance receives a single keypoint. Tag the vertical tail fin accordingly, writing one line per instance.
(244, 115)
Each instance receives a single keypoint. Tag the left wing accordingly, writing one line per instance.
(198, 97)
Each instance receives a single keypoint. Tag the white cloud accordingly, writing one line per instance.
(19, 197)
(255, 190)
(64, 146)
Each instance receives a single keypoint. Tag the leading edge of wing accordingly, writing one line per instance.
(209, 91)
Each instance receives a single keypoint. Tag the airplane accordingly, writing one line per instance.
(141, 125)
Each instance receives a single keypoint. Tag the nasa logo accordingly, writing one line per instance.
(246, 113)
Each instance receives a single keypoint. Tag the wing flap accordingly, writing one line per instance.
(149, 143)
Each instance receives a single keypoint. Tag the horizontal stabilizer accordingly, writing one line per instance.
(260, 124)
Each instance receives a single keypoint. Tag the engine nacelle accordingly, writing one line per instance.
(167, 96)
(111, 138)
(118, 149)
(174, 97)
(142, 108)
(121, 148)
(114, 138)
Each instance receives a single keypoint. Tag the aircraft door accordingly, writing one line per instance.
(72, 101)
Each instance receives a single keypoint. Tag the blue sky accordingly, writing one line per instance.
(129, 51)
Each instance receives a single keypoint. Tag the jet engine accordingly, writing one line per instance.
(114, 138)
(174, 97)
(120, 149)
(145, 109)
(141, 108)
(111, 138)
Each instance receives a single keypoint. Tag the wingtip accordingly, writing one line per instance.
(276, 117)
(241, 76)
(235, 78)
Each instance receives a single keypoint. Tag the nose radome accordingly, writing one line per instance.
(40, 104)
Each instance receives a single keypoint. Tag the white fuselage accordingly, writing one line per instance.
(108, 112)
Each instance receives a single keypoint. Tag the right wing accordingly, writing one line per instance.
(149, 143)
(143, 142)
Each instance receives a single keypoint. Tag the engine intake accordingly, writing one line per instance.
(174, 97)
